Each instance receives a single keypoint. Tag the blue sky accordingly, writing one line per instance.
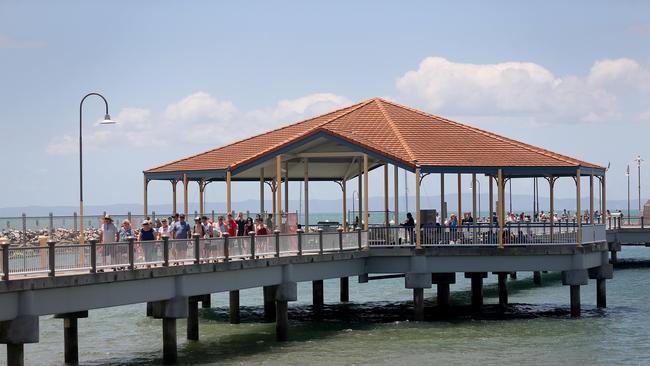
(182, 77)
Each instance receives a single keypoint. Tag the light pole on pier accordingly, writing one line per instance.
(107, 121)
(627, 174)
(638, 164)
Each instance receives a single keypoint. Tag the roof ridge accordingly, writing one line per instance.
(351, 108)
(259, 134)
(511, 141)
(391, 123)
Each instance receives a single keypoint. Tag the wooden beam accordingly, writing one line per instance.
(278, 191)
(174, 182)
(305, 162)
(501, 205)
(228, 192)
(418, 222)
(396, 192)
(386, 218)
(365, 192)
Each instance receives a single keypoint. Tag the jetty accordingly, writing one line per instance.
(344, 145)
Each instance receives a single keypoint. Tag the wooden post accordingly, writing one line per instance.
(286, 186)
(474, 198)
(201, 193)
(365, 192)
(344, 184)
(603, 202)
(591, 199)
(396, 192)
(460, 200)
(278, 191)
(501, 206)
(443, 211)
(146, 185)
(578, 212)
(551, 185)
(234, 307)
(360, 192)
(491, 194)
(305, 163)
(174, 182)
(185, 203)
(386, 219)
(418, 222)
(261, 191)
(228, 191)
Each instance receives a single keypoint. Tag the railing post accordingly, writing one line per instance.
(5, 261)
(131, 252)
(51, 255)
(359, 237)
(252, 235)
(340, 230)
(197, 248)
(320, 240)
(226, 250)
(51, 223)
(299, 232)
(24, 238)
(93, 255)
(165, 251)
(277, 243)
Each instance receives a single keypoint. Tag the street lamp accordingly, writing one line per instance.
(638, 164)
(106, 121)
(627, 174)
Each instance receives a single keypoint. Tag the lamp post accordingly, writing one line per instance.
(351, 219)
(627, 174)
(638, 164)
(107, 121)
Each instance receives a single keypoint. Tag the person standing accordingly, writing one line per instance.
(231, 225)
(164, 229)
(107, 235)
(241, 223)
(147, 234)
(181, 231)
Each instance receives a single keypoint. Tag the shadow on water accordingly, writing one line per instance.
(253, 336)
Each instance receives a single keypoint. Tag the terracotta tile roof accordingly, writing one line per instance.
(398, 132)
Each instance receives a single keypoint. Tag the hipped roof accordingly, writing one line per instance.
(393, 133)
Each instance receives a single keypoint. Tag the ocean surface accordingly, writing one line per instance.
(374, 328)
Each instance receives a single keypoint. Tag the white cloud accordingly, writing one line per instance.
(198, 118)
(522, 88)
(9, 42)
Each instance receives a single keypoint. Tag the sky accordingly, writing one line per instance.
(184, 77)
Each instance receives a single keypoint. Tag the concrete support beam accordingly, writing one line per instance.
(173, 308)
(418, 304)
(363, 278)
(477, 288)
(317, 295)
(284, 293)
(443, 282)
(417, 280)
(234, 307)
(15, 333)
(70, 336)
(269, 303)
(193, 319)
(345, 289)
(537, 277)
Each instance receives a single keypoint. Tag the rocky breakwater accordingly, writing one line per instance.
(33, 237)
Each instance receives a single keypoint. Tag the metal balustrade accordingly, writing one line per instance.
(130, 255)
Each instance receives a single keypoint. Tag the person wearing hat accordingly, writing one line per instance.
(108, 231)
(181, 230)
(107, 234)
(147, 233)
(198, 228)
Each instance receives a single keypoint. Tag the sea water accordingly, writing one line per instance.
(374, 328)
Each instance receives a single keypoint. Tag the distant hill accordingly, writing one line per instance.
(520, 203)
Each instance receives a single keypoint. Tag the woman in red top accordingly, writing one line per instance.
(231, 225)
(260, 228)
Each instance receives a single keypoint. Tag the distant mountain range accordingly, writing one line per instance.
(519, 203)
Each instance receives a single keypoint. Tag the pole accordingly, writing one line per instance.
(278, 190)
(418, 224)
(551, 183)
(365, 192)
(396, 183)
(174, 182)
(578, 209)
(185, 203)
(460, 201)
(201, 192)
(261, 191)
(627, 173)
(228, 192)
(443, 212)
(501, 205)
(386, 219)
(146, 197)
(638, 161)
(286, 186)
(306, 178)
(81, 181)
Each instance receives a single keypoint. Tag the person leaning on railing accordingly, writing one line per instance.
(181, 230)
(147, 233)
(408, 225)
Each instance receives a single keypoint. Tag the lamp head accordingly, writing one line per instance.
(107, 120)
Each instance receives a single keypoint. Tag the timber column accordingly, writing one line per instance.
(169, 311)
(477, 288)
(15, 333)
(575, 279)
(443, 282)
(269, 302)
(70, 336)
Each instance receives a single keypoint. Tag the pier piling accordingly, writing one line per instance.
(170, 353)
(206, 301)
(575, 279)
(601, 293)
(443, 282)
(317, 295)
(234, 307)
(477, 288)
(503, 289)
(269, 303)
(70, 336)
(575, 300)
(193, 319)
(284, 293)
(345, 289)
(15, 333)
(537, 277)
(418, 304)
